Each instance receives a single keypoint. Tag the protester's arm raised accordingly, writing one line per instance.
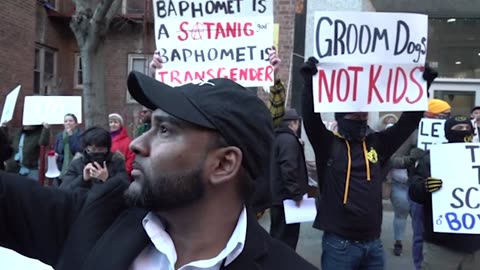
(34, 220)
(393, 137)
(318, 135)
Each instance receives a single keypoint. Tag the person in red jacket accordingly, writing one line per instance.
(120, 140)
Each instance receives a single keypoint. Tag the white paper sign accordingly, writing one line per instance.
(211, 39)
(370, 61)
(306, 212)
(9, 107)
(456, 206)
(430, 131)
(50, 109)
(12, 260)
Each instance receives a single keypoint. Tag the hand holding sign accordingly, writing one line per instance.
(275, 61)
(157, 62)
(309, 68)
(429, 74)
(433, 184)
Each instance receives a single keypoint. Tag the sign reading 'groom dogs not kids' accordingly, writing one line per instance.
(370, 61)
(206, 39)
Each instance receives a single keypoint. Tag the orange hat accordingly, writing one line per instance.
(437, 106)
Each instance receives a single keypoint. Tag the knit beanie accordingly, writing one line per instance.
(458, 135)
(437, 106)
(116, 116)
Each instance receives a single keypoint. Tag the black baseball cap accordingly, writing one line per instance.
(220, 104)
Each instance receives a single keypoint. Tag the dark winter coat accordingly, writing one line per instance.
(288, 171)
(75, 142)
(73, 179)
(31, 148)
(95, 230)
(351, 173)
(468, 243)
(6, 150)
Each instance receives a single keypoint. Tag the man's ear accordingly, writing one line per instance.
(224, 164)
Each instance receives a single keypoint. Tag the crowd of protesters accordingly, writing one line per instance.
(188, 190)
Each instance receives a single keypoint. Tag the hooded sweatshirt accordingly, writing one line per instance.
(350, 173)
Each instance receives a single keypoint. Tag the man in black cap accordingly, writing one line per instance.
(194, 172)
(444, 251)
(288, 177)
(350, 175)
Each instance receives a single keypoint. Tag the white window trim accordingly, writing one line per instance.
(131, 57)
(76, 85)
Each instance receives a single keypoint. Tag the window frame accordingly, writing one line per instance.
(135, 56)
(43, 87)
(76, 70)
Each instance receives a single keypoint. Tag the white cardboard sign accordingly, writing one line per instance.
(50, 109)
(211, 39)
(9, 107)
(456, 206)
(430, 131)
(370, 61)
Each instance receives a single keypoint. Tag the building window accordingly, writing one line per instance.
(140, 63)
(133, 6)
(44, 70)
(78, 75)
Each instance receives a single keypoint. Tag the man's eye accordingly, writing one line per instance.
(163, 129)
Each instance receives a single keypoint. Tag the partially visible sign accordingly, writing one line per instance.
(430, 131)
(456, 206)
(9, 107)
(50, 109)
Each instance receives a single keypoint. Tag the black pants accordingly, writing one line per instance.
(287, 233)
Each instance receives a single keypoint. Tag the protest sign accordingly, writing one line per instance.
(456, 206)
(9, 107)
(207, 39)
(370, 61)
(50, 109)
(430, 131)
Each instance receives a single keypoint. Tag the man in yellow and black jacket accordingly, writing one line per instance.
(349, 166)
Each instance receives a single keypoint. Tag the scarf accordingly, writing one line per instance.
(67, 154)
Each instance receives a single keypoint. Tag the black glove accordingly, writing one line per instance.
(417, 153)
(429, 74)
(310, 67)
(433, 184)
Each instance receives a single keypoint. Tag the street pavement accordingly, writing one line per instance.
(310, 242)
(309, 246)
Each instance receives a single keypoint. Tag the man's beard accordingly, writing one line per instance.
(167, 191)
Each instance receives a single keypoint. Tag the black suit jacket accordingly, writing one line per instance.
(95, 230)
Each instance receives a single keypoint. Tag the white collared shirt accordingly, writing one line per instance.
(161, 253)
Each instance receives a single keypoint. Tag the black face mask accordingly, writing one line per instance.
(352, 130)
(96, 157)
(459, 136)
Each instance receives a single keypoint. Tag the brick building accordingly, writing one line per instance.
(39, 51)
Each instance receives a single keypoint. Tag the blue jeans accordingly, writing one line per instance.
(416, 211)
(343, 254)
(401, 208)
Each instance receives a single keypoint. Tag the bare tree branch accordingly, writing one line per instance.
(79, 5)
(113, 11)
(101, 10)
